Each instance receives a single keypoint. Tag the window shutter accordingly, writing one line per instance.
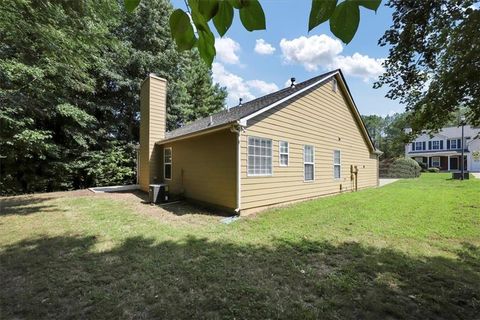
(413, 146)
(441, 144)
(448, 144)
(429, 145)
(424, 145)
(459, 144)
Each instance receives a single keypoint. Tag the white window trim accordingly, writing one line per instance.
(439, 163)
(421, 145)
(456, 143)
(248, 161)
(337, 164)
(280, 154)
(433, 144)
(170, 163)
(313, 163)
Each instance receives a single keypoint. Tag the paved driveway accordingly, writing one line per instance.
(475, 174)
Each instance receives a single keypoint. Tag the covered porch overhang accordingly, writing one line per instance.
(445, 161)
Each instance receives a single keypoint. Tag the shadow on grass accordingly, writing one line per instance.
(64, 277)
(25, 205)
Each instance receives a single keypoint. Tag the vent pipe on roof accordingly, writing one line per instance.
(292, 80)
(240, 102)
(210, 122)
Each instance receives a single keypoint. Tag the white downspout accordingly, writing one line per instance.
(238, 128)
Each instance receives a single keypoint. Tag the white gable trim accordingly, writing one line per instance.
(243, 121)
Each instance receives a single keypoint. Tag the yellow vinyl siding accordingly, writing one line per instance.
(204, 168)
(319, 118)
(153, 95)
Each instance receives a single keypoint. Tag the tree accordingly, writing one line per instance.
(433, 61)
(191, 29)
(70, 75)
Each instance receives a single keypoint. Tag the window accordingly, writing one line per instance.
(259, 157)
(167, 163)
(283, 146)
(436, 145)
(308, 163)
(436, 162)
(334, 85)
(337, 168)
(453, 144)
(418, 145)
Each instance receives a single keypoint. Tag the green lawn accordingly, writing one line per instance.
(407, 250)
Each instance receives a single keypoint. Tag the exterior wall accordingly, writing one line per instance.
(204, 168)
(153, 95)
(322, 118)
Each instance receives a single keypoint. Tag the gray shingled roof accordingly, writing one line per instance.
(238, 112)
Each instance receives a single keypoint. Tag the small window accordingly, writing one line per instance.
(436, 145)
(337, 167)
(453, 144)
(167, 163)
(436, 162)
(334, 85)
(418, 145)
(283, 146)
(309, 163)
(259, 157)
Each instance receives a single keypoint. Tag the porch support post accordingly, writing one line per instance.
(448, 163)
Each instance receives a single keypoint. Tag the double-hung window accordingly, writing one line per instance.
(436, 162)
(453, 144)
(283, 148)
(419, 145)
(337, 171)
(167, 163)
(309, 163)
(436, 145)
(259, 157)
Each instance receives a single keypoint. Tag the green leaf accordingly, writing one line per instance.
(320, 12)
(208, 8)
(206, 45)
(237, 4)
(224, 17)
(182, 30)
(252, 15)
(130, 5)
(369, 4)
(344, 20)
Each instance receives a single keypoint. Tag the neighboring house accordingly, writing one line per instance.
(298, 143)
(444, 149)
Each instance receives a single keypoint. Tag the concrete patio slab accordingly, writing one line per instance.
(385, 181)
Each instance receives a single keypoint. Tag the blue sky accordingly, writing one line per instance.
(251, 64)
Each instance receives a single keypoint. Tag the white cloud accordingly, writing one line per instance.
(311, 52)
(227, 50)
(262, 86)
(361, 66)
(323, 52)
(263, 47)
(237, 87)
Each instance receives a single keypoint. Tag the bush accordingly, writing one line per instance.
(404, 168)
(423, 166)
(434, 170)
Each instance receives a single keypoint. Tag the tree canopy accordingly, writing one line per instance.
(70, 75)
(434, 60)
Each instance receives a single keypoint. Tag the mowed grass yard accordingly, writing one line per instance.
(409, 250)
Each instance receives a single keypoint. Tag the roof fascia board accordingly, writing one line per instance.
(196, 133)
(243, 121)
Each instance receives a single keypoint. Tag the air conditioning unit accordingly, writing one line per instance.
(158, 193)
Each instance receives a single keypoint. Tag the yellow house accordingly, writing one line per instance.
(302, 142)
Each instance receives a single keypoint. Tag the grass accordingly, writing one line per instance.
(408, 250)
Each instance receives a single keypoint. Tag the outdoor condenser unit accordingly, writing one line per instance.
(158, 193)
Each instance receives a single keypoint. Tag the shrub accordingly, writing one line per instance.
(423, 166)
(435, 170)
(404, 168)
